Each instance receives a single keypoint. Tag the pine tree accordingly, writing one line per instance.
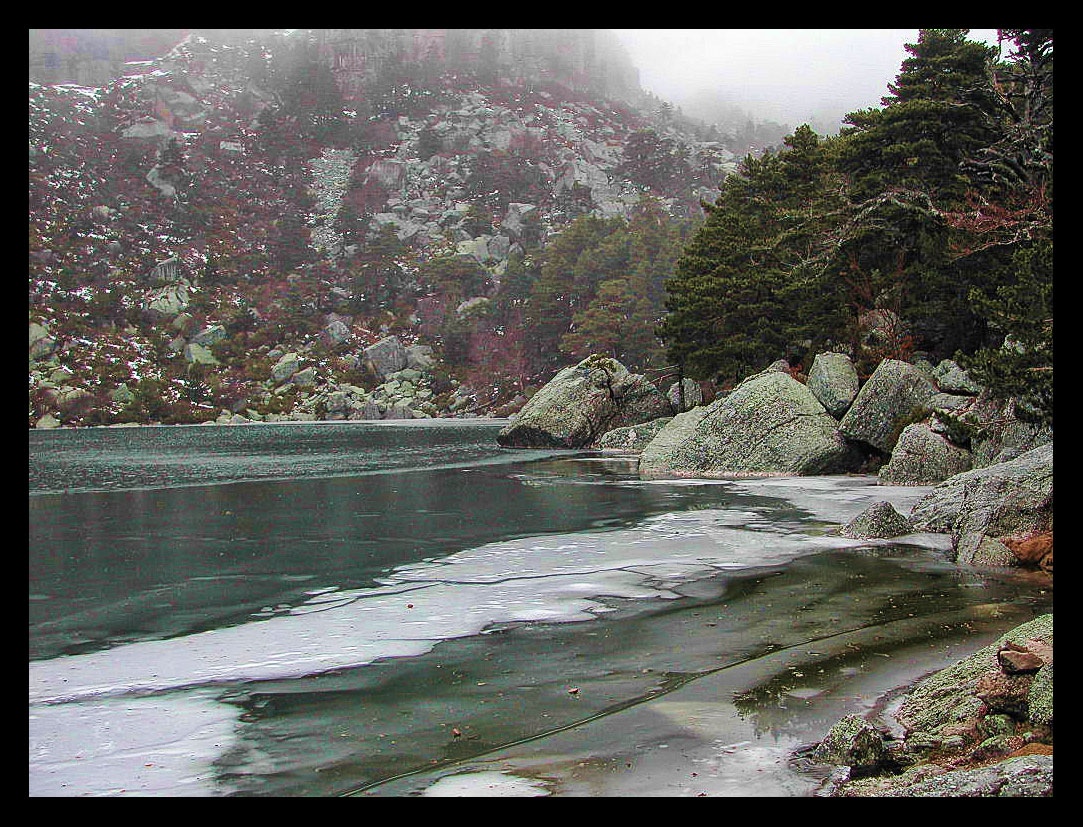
(1022, 366)
(749, 282)
(904, 163)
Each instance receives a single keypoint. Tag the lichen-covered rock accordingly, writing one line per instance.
(951, 378)
(852, 742)
(833, 380)
(947, 703)
(693, 395)
(989, 552)
(1040, 698)
(879, 520)
(1025, 776)
(167, 301)
(42, 344)
(1009, 498)
(633, 437)
(209, 336)
(896, 395)
(583, 402)
(419, 357)
(285, 367)
(921, 457)
(198, 354)
(769, 424)
(385, 357)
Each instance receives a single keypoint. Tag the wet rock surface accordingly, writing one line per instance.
(982, 727)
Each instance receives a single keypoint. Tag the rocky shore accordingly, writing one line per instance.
(983, 727)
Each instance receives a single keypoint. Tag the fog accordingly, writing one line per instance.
(790, 76)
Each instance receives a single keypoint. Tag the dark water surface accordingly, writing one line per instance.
(408, 609)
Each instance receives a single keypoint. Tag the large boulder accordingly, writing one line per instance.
(896, 395)
(922, 457)
(385, 357)
(167, 301)
(1008, 499)
(833, 380)
(419, 357)
(953, 379)
(769, 424)
(285, 367)
(198, 354)
(583, 402)
(42, 343)
(210, 335)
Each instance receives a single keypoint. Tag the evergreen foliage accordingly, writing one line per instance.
(934, 210)
(747, 285)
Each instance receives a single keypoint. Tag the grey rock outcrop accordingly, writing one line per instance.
(419, 357)
(385, 357)
(198, 354)
(335, 333)
(210, 336)
(951, 378)
(42, 343)
(922, 457)
(833, 381)
(879, 520)
(999, 500)
(852, 742)
(769, 424)
(285, 367)
(583, 402)
(896, 395)
(169, 300)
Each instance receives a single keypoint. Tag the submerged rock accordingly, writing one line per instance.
(879, 520)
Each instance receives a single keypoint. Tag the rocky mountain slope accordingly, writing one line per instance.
(189, 231)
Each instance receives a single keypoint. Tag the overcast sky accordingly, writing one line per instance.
(787, 75)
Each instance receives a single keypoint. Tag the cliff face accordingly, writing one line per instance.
(580, 59)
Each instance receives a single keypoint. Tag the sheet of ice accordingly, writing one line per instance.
(563, 578)
(129, 746)
(485, 785)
